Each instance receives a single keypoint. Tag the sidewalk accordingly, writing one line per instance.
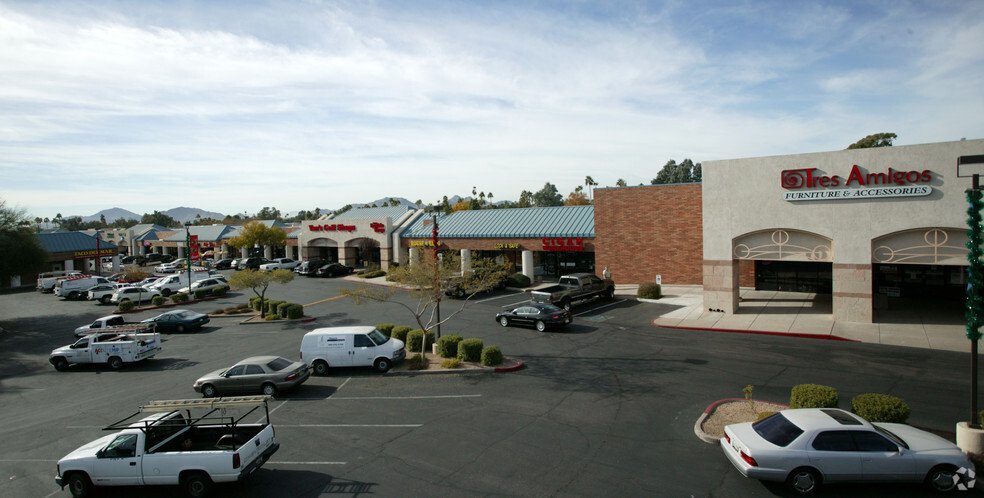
(801, 314)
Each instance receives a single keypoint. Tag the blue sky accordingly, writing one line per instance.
(231, 106)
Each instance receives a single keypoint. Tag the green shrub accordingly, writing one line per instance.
(243, 306)
(518, 280)
(417, 362)
(271, 316)
(385, 328)
(125, 305)
(491, 356)
(415, 336)
(201, 293)
(294, 311)
(447, 346)
(764, 415)
(880, 408)
(180, 297)
(272, 304)
(217, 312)
(282, 309)
(813, 396)
(219, 291)
(451, 362)
(158, 300)
(650, 290)
(401, 332)
(372, 274)
(254, 302)
(470, 350)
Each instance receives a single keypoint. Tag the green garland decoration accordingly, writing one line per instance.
(975, 276)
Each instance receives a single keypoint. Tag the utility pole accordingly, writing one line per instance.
(437, 287)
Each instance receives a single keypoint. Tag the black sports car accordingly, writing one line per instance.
(333, 269)
(539, 315)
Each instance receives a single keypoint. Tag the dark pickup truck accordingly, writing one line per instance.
(575, 287)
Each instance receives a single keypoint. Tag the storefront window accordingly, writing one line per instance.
(554, 264)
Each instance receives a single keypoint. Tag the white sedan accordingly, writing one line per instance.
(809, 446)
(280, 263)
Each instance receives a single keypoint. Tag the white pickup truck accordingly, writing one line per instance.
(172, 447)
(114, 347)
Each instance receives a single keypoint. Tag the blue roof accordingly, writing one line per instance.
(393, 212)
(560, 221)
(71, 242)
(211, 233)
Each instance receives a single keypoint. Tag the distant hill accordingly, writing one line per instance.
(112, 215)
(183, 214)
(388, 200)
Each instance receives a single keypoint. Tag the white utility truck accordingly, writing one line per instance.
(47, 280)
(77, 287)
(114, 347)
(172, 447)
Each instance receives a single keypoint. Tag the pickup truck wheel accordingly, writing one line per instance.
(61, 364)
(269, 389)
(503, 321)
(115, 362)
(73, 295)
(105, 299)
(320, 368)
(540, 325)
(566, 304)
(165, 292)
(208, 391)
(610, 294)
(196, 484)
(382, 365)
(79, 484)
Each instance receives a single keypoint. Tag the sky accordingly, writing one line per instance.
(235, 105)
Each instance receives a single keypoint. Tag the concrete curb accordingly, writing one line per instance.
(758, 332)
(707, 438)
(518, 365)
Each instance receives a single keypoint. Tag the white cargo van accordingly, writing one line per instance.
(173, 283)
(350, 347)
(78, 287)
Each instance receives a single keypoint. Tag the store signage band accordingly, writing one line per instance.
(333, 228)
(563, 244)
(506, 245)
(866, 185)
(421, 243)
(92, 252)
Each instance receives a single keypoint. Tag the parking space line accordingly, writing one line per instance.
(498, 297)
(613, 303)
(397, 426)
(306, 463)
(324, 301)
(343, 384)
(408, 397)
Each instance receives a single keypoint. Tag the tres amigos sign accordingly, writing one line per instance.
(895, 183)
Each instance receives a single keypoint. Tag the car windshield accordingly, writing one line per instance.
(184, 314)
(777, 430)
(378, 337)
(278, 364)
(891, 435)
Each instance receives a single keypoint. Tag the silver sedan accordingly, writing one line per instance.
(266, 374)
(809, 446)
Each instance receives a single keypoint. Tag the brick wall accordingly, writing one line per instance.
(648, 230)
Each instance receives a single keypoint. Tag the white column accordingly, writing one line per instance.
(116, 263)
(181, 251)
(69, 264)
(528, 264)
(268, 252)
(465, 261)
(225, 251)
(414, 255)
(142, 250)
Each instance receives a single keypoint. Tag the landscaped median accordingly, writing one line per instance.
(450, 354)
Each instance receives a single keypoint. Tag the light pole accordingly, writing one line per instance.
(437, 287)
(975, 277)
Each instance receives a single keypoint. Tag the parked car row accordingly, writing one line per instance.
(322, 268)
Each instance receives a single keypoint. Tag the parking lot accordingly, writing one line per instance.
(605, 407)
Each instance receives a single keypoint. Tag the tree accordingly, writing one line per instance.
(20, 247)
(525, 199)
(590, 183)
(621, 183)
(876, 140)
(268, 213)
(259, 281)
(577, 198)
(159, 218)
(427, 280)
(72, 224)
(677, 173)
(548, 196)
(254, 233)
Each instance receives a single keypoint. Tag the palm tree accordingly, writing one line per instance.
(589, 182)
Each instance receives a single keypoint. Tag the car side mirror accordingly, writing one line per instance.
(101, 453)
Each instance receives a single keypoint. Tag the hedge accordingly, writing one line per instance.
(880, 408)
(491, 356)
(179, 297)
(401, 332)
(158, 300)
(813, 396)
(518, 280)
(126, 305)
(201, 293)
(470, 350)
(219, 291)
(451, 362)
(385, 328)
(650, 290)
(372, 274)
(447, 346)
(271, 305)
(294, 311)
(415, 336)
(254, 302)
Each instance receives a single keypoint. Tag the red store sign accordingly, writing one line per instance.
(894, 183)
(333, 228)
(378, 227)
(563, 244)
